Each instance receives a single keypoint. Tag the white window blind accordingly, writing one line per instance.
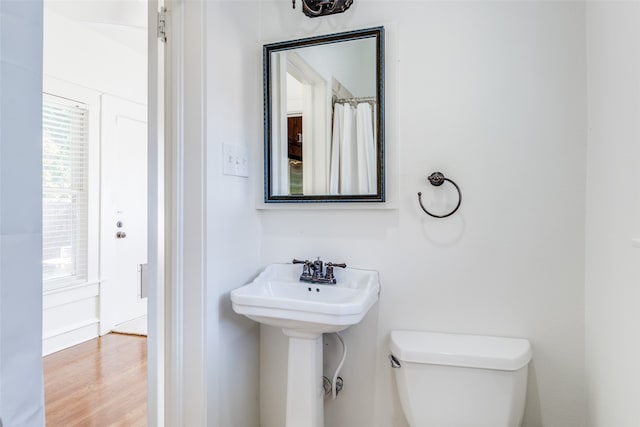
(64, 190)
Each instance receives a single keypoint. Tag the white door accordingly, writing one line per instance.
(123, 219)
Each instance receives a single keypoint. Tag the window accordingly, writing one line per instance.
(64, 191)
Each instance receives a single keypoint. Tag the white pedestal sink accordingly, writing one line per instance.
(305, 311)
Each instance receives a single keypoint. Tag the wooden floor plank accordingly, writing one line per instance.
(99, 383)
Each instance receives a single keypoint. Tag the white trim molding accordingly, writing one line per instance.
(156, 225)
(185, 339)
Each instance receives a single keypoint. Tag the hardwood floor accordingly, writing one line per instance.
(99, 383)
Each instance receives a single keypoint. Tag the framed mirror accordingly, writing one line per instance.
(324, 118)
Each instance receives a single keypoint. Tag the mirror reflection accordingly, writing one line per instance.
(324, 118)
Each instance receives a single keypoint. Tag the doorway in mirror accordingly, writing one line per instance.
(294, 153)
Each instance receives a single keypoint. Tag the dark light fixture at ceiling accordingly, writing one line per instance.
(315, 8)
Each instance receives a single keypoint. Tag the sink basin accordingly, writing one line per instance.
(278, 298)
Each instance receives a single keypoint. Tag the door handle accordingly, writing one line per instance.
(121, 235)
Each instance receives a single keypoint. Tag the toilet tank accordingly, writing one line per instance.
(455, 380)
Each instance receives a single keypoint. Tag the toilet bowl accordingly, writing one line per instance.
(454, 380)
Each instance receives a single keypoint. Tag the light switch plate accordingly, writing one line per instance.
(235, 160)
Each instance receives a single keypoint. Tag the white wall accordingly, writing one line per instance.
(613, 212)
(352, 64)
(233, 116)
(21, 386)
(493, 95)
(75, 52)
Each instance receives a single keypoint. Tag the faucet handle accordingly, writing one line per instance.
(333, 264)
(306, 268)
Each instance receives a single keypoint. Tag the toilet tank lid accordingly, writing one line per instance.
(473, 351)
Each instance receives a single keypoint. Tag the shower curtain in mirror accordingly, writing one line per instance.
(353, 151)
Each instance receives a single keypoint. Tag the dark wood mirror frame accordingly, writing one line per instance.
(379, 196)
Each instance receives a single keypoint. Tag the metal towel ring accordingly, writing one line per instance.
(437, 179)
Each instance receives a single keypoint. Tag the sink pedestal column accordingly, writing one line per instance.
(305, 395)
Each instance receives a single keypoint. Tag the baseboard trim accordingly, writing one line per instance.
(69, 336)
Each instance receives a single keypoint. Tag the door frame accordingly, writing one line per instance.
(156, 65)
(316, 152)
(177, 172)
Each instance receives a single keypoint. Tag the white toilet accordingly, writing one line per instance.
(453, 380)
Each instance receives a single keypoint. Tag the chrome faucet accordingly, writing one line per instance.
(317, 269)
(313, 272)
